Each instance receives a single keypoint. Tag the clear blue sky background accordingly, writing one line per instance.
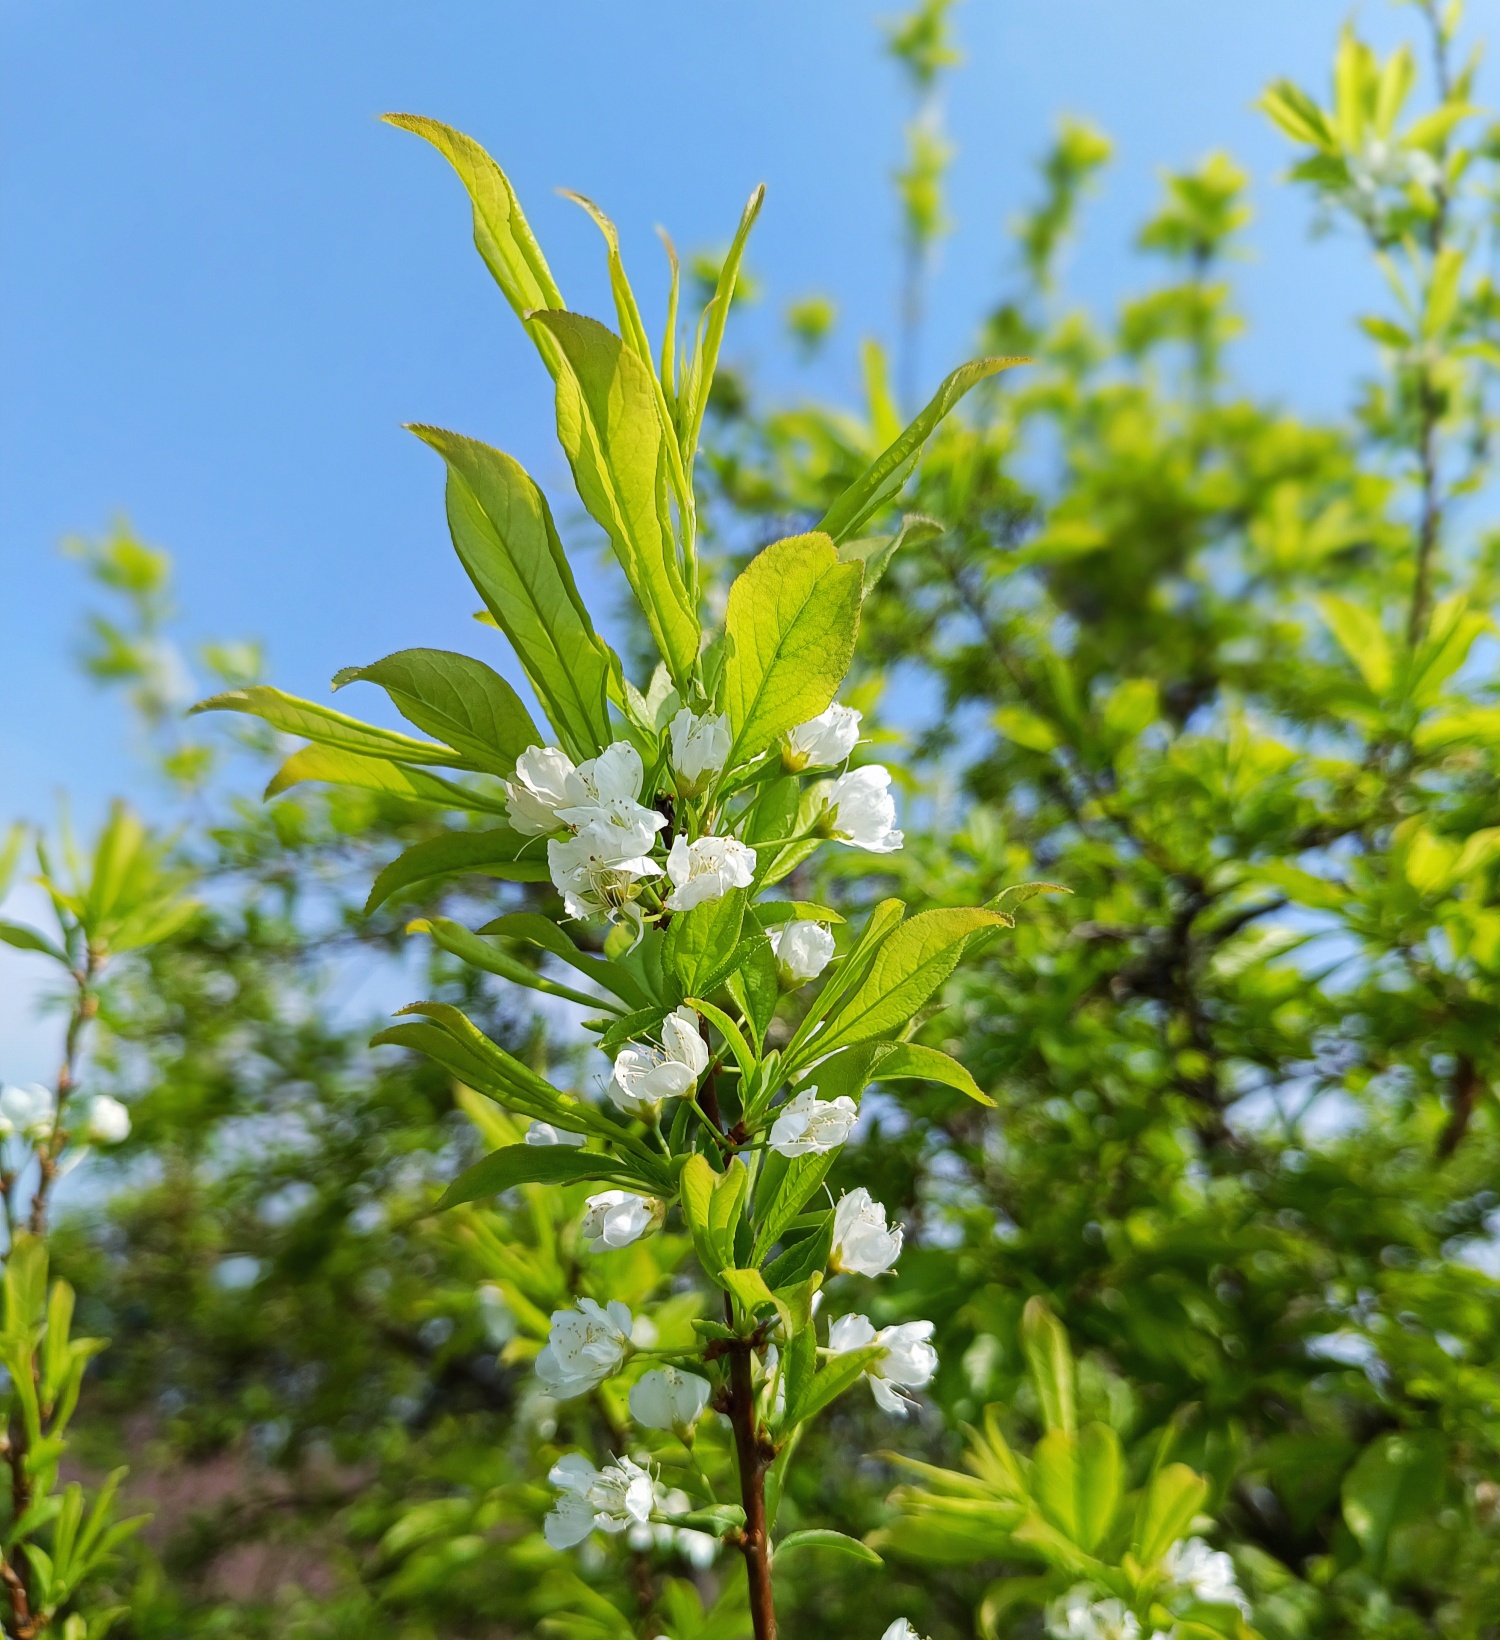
(224, 285)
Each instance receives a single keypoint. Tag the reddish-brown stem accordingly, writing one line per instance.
(84, 1009)
(755, 1541)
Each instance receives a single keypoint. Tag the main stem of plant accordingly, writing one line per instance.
(756, 1540)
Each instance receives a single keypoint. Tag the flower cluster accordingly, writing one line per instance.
(30, 1113)
(603, 839)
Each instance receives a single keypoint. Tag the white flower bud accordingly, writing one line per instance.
(862, 1242)
(862, 812)
(107, 1121)
(543, 1133)
(1204, 1573)
(539, 789)
(667, 1398)
(803, 950)
(700, 748)
(27, 1110)
(615, 1218)
(807, 1125)
(822, 741)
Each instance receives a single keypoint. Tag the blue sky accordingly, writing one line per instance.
(226, 285)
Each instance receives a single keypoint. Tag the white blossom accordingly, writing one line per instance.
(611, 1499)
(1078, 1616)
(591, 873)
(106, 1121)
(862, 812)
(909, 1360)
(700, 748)
(901, 1629)
(803, 950)
(1207, 1574)
(615, 1218)
(604, 801)
(822, 741)
(668, 1398)
(495, 1316)
(584, 1347)
(539, 789)
(863, 1244)
(700, 1549)
(27, 1110)
(645, 1074)
(807, 1125)
(707, 869)
(543, 1133)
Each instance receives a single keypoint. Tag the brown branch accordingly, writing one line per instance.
(755, 1539)
(1467, 1087)
(23, 1623)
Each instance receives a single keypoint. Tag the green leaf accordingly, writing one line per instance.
(699, 377)
(755, 985)
(791, 623)
(748, 1287)
(909, 966)
(1019, 893)
(374, 774)
(460, 699)
(1099, 1477)
(841, 1372)
(817, 1537)
(851, 1070)
(10, 854)
(724, 1208)
(542, 932)
(882, 480)
(784, 1201)
(696, 1187)
(701, 944)
(1166, 1510)
(502, 234)
(28, 939)
(1050, 1362)
(537, 1164)
(609, 425)
(875, 552)
(329, 728)
(503, 533)
(805, 1262)
(1396, 1480)
(1054, 1480)
(493, 853)
(455, 939)
(1363, 640)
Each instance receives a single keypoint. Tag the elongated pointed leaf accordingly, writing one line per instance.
(502, 235)
(609, 425)
(329, 728)
(841, 1372)
(504, 535)
(1050, 1360)
(909, 966)
(494, 853)
(542, 932)
(1099, 1476)
(537, 1164)
(881, 482)
(849, 1071)
(792, 619)
(1166, 1510)
(28, 939)
(491, 959)
(705, 360)
(818, 1537)
(465, 703)
(373, 774)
